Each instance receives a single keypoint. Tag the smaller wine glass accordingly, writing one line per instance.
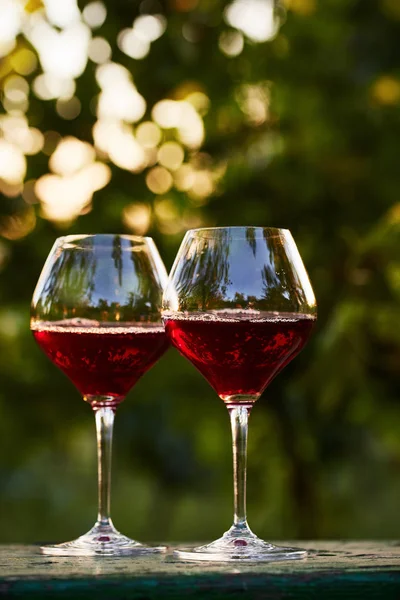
(239, 305)
(96, 315)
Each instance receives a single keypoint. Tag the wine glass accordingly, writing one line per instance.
(239, 305)
(96, 314)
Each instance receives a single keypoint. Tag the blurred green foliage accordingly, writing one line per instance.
(301, 132)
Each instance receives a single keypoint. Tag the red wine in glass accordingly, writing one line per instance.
(96, 313)
(239, 305)
(238, 355)
(102, 360)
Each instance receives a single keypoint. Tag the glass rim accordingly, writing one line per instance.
(272, 231)
(69, 240)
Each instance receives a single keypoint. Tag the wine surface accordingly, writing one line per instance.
(237, 352)
(101, 360)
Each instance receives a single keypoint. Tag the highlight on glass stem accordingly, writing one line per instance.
(239, 305)
(96, 315)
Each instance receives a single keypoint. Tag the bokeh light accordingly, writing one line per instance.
(184, 178)
(68, 192)
(49, 87)
(70, 156)
(137, 217)
(159, 180)
(16, 226)
(62, 14)
(16, 88)
(28, 192)
(117, 142)
(23, 61)
(126, 152)
(386, 90)
(94, 14)
(148, 134)
(231, 43)
(12, 163)
(171, 155)
(168, 217)
(303, 7)
(11, 12)
(255, 18)
(16, 130)
(64, 198)
(254, 101)
(68, 109)
(62, 54)
(150, 27)
(119, 98)
(99, 50)
(132, 45)
(181, 115)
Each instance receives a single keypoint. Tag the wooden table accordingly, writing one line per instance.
(333, 570)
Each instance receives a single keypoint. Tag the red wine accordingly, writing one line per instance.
(102, 360)
(239, 354)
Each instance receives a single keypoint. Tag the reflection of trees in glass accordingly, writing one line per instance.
(281, 285)
(69, 286)
(203, 278)
(251, 238)
(211, 276)
(70, 289)
(117, 256)
(145, 300)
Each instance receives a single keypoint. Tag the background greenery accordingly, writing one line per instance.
(300, 131)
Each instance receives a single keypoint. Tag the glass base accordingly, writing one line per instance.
(241, 545)
(101, 540)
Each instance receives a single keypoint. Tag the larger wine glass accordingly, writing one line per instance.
(239, 305)
(96, 314)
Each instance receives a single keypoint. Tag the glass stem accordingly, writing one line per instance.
(239, 423)
(104, 428)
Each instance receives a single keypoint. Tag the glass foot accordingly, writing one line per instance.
(101, 540)
(242, 545)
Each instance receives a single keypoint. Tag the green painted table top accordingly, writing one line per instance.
(332, 570)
